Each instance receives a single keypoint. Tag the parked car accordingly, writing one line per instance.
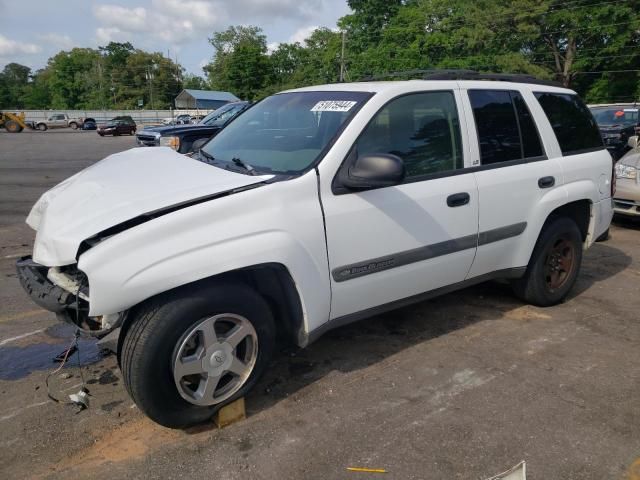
(118, 126)
(627, 197)
(58, 120)
(182, 138)
(617, 123)
(89, 124)
(181, 119)
(315, 208)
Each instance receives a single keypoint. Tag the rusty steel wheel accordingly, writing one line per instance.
(559, 263)
(554, 264)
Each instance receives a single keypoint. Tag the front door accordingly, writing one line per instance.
(389, 243)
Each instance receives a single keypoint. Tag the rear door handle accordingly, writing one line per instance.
(546, 182)
(458, 199)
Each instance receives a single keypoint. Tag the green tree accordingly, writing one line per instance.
(194, 82)
(240, 63)
(14, 85)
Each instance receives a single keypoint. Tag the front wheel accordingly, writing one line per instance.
(554, 265)
(42, 127)
(189, 352)
(73, 125)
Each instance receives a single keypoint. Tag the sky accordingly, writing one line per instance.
(31, 31)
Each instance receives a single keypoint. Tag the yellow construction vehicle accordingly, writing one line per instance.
(13, 122)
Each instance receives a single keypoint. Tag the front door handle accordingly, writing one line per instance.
(546, 182)
(458, 199)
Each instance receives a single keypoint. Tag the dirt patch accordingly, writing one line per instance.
(526, 312)
(128, 442)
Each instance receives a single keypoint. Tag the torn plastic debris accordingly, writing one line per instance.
(519, 472)
(81, 399)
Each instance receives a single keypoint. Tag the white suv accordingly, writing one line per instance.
(315, 208)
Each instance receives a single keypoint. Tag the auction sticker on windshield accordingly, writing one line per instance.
(333, 106)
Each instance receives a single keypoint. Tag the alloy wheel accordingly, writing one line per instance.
(214, 359)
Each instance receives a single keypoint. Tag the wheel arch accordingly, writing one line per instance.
(271, 280)
(580, 211)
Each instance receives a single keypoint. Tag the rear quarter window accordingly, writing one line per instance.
(572, 122)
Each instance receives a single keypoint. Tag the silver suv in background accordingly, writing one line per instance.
(627, 196)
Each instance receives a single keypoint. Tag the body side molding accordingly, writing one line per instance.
(374, 265)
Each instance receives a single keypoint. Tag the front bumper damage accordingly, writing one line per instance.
(65, 292)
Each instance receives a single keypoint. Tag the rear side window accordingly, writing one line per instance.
(531, 146)
(572, 122)
(506, 130)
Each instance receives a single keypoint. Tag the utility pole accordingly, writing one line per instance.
(149, 78)
(344, 34)
(99, 64)
(113, 91)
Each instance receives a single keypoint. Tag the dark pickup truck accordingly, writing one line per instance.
(182, 137)
(617, 123)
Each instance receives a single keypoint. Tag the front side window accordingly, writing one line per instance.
(572, 122)
(421, 128)
(284, 133)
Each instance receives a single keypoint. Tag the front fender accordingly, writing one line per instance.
(253, 227)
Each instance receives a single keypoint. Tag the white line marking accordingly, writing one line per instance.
(15, 255)
(16, 412)
(19, 337)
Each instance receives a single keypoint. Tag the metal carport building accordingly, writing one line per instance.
(205, 99)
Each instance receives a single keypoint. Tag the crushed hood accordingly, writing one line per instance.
(119, 188)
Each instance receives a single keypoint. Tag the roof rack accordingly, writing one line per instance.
(464, 75)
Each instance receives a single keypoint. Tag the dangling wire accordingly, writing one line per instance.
(73, 345)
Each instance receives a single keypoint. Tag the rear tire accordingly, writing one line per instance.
(554, 264)
(156, 339)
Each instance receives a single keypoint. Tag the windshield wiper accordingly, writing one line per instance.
(244, 165)
(206, 155)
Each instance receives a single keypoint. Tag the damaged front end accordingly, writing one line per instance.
(65, 292)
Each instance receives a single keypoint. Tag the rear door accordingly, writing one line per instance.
(513, 170)
(386, 244)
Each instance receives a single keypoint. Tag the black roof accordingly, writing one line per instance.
(464, 75)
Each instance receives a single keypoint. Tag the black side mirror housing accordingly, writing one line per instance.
(374, 170)
(198, 144)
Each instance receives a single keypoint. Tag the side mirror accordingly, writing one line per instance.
(375, 170)
(198, 144)
(633, 142)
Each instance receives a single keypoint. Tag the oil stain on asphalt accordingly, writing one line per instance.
(19, 360)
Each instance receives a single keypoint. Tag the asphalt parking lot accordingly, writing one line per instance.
(460, 387)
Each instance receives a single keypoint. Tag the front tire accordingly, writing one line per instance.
(73, 125)
(12, 126)
(554, 265)
(191, 351)
(42, 127)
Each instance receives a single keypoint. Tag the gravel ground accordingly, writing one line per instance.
(460, 387)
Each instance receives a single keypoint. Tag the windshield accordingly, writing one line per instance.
(284, 133)
(223, 114)
(615, 115)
